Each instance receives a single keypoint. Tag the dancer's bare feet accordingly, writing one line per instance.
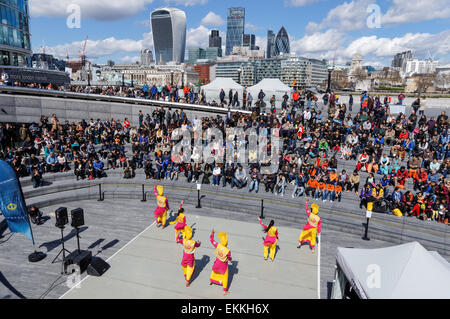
(226, 293)
(313, 250)
(188, 284)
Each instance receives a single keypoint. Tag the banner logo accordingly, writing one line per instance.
(12, 207)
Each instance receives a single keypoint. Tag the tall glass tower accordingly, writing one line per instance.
(235, 28)
(15, 43)
(169, 35)
(270, 44)
(282, 42)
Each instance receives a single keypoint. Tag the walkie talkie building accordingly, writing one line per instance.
(169, 35)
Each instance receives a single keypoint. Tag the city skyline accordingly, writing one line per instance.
(122, 35)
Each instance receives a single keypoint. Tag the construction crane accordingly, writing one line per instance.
(83, 52)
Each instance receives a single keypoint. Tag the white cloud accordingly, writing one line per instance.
(252, 27)
(317, 42)
(197, 37)
(103, 10)
(352, 15)
(187, 3)
(130, 59)
(212, 20)
(348, 16)
(101, 48)
(404, 11)
(298, 3)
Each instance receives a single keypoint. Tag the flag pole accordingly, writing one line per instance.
(37, 255)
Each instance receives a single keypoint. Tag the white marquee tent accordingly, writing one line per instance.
(407, 271)
(212, 90)
(270, 87)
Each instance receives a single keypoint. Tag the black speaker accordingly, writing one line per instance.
(77, 217)
(62, 218)
(82, 259)
(97, 267)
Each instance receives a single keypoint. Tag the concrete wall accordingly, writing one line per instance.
(27, 109)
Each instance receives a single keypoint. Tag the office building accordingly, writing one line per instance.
(249, 40)
(282, 45)
(215, 40)
(15, 45)
(401, 58)
(146, 57)
(195, 54)
(235, 28)
(169, 35)
(270, 44)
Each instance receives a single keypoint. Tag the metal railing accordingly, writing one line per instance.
(114, 99)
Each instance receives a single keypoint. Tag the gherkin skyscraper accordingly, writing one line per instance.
(282, 42)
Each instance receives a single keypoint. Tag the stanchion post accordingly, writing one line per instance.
(100, 197)
(199, 187)
(368, 216)
(262, 209)
(144, 198)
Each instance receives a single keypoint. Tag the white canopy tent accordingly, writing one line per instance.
(407, 271)
(212, 90)
(270, 87)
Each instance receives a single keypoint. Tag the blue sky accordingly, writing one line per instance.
(118, 29)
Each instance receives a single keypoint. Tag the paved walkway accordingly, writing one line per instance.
(149, 266)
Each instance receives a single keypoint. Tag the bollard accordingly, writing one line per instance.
(262, 209)
(100, 198)
(144, 198)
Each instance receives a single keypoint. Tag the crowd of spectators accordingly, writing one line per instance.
(395, 161)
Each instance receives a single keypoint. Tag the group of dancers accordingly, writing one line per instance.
(219, 274)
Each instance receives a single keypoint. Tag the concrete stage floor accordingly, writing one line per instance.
(149, 266)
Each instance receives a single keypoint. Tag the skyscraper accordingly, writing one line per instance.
(282, 42)
(235, 28)
(270, 44)
(169, 35)
(215, 41)
(15, 33)
(248, 40)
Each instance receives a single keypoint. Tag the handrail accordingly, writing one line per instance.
(115, 99)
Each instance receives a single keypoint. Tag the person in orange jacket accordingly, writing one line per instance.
(311, 187)
(162, 208)
(328, 192)
(337, 193)
(271, 239)
(188, 261)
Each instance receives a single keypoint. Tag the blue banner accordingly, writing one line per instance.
(12, 204)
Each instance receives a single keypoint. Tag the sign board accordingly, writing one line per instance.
(368, 214)
(396, 109)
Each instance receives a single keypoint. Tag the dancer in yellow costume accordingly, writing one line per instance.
(163, 206)
(188, 262)
(180, 222)
(271, 239)
(312, 228)
(219, 274)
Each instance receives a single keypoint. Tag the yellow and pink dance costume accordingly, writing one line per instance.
(219, 274)
(162, 207)
(312, 228)
(270, 243)
(180, 222)
(188, 261)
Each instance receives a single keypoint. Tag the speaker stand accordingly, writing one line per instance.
(63, 251)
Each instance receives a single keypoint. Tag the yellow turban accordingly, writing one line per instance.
(160, 190)
(187, 233)
(223, 238)
(315, 209)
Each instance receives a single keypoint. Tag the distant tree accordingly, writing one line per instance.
(424, 82)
